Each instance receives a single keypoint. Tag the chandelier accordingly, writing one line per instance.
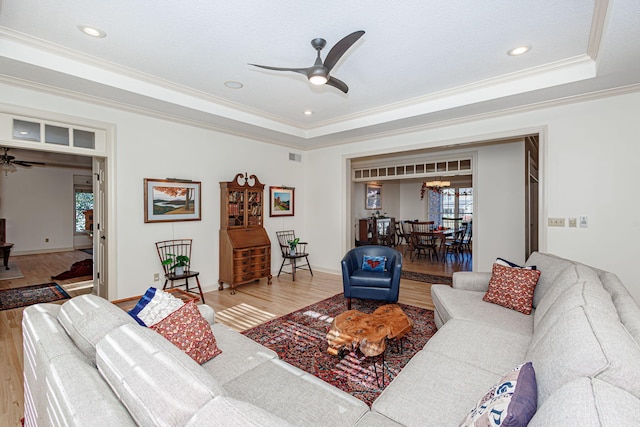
(436, 186)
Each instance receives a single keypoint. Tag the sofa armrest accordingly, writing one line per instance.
(471, 281)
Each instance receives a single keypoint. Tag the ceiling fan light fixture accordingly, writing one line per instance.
(318, 80)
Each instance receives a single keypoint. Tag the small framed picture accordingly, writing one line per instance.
(168, 200)
(281, 201)
(373, 196)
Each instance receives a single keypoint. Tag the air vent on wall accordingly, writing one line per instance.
(295, 157)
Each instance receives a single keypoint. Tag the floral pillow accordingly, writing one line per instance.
(512, 287)
(509, 403)
(190, 332)
(373, 263)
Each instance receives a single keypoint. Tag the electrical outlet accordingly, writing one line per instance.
(156, 277)
(556, 222)
(46, 240)
(573, 222)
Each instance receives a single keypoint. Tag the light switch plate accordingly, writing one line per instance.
(584, 222)
(573, 222)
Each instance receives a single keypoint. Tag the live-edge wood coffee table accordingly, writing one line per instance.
(369, 332)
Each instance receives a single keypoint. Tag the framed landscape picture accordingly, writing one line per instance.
(281, 201)
(168, 200)
(373, 197)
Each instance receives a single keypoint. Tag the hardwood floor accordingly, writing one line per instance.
(252, 304)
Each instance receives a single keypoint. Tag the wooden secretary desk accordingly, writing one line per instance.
(245, 248)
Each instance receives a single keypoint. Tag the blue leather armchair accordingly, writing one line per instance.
(361, 284)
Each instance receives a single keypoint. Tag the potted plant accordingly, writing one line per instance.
(177, 263)
(292, 245)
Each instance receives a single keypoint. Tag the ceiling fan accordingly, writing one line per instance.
(318, 74)
(8, 163)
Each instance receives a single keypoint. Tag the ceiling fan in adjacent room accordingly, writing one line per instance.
(8, 163)
(318, 74)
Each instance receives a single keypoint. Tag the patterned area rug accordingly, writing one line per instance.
(426, 278)
(29, 295)
(299, 338)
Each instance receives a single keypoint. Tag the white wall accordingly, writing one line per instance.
(589, 156)
(589, 167)
(37, 204)
(153, 148)
(412, 206)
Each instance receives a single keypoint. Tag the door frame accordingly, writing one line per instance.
(108, 265)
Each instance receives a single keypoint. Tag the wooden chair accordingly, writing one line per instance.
(292, 256)
(423, 240)
(168, 250)
(455, 245)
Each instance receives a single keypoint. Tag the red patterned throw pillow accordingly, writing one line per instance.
(190, 332)
(512, 287)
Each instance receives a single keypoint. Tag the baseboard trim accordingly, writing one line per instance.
(41, 251)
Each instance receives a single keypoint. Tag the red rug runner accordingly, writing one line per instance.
(299, 338)
(29, 295)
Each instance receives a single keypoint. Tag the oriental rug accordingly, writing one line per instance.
(299, 338)
(426, 278)
(29, 295)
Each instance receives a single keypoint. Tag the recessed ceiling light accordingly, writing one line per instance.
(231, 84)
(519, 50)
(308, 112)
(93, 32)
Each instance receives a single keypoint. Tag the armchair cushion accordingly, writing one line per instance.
(374, 263)
(368, 284)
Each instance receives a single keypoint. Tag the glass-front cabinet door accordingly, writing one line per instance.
(254, 208)
(236, 209)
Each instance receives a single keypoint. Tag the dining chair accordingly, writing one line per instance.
(423, 240)
(170, 251)
(291, 255)
(455, 245)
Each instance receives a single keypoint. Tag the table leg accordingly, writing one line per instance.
(5, 255)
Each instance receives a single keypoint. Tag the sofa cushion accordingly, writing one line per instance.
(77, 395)
(154, 306)
(433, 390)
(605, 348)
(626, 306)
(157, 382)
(588, 402)
(453, 303)
(585, 291)
(296, 396)
(239, 354)
(512, 287)
(88, 318)
(479, 344)
(550, 267)
(224, 411)
(506, 263)
(190, 332)
(511, 402)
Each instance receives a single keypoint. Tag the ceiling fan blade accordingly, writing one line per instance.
(26, 163)
(340, 48)
(304, 71)
(338, 84)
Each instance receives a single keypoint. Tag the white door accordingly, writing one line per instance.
(100, 227)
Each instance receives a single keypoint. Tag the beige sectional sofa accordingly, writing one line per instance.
(582, 338)
(86, 362)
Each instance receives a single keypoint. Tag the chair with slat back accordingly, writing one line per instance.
(171, 251)
(423, 240)
(292, 255)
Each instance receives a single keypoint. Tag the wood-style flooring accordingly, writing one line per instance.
(252, 304)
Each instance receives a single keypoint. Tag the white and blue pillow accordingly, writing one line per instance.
(505, 263)
(154, 306)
